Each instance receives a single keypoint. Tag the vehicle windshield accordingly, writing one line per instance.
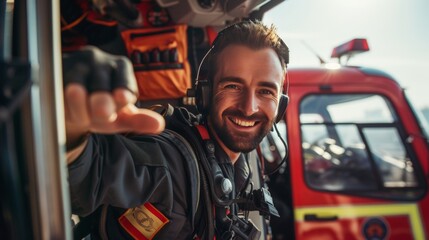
(355, 143)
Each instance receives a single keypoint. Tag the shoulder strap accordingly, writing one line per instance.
(201, 213)
(181, 131)
(202, 130)
(191, 165)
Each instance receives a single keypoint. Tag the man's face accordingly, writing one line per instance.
(246, 92)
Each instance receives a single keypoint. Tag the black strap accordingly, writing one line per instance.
(86, 225)
(183, 122)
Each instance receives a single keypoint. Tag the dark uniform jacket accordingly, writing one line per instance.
(142, 186)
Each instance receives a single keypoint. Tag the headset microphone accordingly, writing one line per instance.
(222, 185)
(284, 101)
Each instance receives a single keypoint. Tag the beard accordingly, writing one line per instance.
(241, 141)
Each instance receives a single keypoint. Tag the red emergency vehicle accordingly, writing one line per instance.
(358, 164)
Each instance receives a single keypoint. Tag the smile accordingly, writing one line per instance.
(243, 123)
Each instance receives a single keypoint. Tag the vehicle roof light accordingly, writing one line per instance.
(352, 47)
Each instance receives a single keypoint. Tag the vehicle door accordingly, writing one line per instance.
(356, 170)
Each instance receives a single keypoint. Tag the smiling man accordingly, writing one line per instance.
(151, 187)
(247, 91)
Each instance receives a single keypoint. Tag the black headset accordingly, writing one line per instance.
(203, 87)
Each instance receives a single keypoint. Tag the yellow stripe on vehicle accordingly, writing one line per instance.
(353, 211)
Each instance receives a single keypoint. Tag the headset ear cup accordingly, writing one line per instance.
(202, 96)
(281, 110)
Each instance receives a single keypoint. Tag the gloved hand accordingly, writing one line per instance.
(99, 95)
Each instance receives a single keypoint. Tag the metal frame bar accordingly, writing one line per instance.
(37, 39)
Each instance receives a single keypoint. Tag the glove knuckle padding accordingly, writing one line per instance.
(98, 71)
(101, 70)
(124, 75)
(74, 70)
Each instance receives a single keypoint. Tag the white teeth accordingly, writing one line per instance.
(243, 123)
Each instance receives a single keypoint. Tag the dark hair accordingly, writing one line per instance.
(253, 34)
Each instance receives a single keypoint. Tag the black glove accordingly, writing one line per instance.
(98, 71)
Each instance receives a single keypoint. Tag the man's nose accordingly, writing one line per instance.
(249, 104)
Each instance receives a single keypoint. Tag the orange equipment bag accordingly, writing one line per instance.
(160, 59)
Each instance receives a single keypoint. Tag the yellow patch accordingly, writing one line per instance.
(143, 222)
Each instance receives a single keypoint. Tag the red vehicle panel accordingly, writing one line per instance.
(358, 159)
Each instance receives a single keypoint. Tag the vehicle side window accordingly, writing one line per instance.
(353, 144)
(390, 156)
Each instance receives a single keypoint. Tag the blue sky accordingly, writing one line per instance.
(397, 33)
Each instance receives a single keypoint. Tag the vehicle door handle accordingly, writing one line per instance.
(318, 218)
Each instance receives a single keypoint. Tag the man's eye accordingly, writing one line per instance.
(266, 92)
(231, 86)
